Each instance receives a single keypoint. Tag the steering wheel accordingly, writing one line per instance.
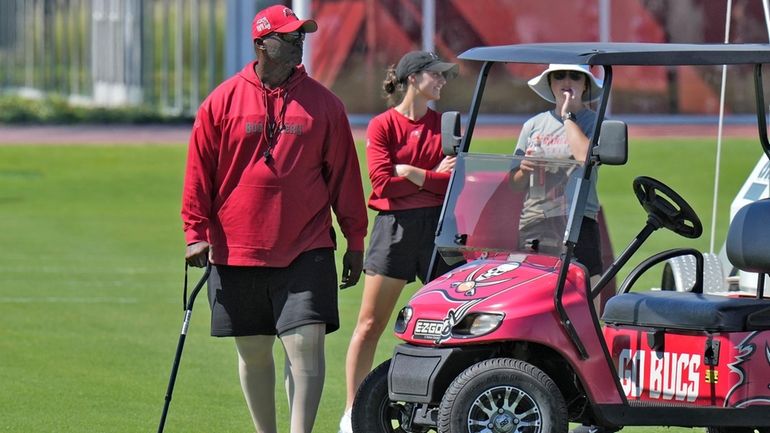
(667, 207)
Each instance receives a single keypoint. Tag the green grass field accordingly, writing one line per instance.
(91, 267)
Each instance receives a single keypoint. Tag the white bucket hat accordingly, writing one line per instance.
(541, 86)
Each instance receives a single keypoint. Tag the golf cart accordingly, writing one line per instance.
(510, 340)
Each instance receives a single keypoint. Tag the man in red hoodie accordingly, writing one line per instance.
(270, 156)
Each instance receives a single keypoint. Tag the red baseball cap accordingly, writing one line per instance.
(279, 19)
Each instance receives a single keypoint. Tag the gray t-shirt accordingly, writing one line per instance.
(550, 131)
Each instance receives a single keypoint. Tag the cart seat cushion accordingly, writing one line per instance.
(748, 239)
(685, 310)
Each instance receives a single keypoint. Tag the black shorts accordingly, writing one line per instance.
(401, 244)
(588, 250)
(248, 300)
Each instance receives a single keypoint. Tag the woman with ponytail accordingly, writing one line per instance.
(409, 176)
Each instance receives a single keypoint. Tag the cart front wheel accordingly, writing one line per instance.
(503, 396)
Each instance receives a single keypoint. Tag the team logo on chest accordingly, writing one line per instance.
(253, 128)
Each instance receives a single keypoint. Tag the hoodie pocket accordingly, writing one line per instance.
(251, 216)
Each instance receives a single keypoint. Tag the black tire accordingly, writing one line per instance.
(537, 398)
(667, 282)
(373, 411)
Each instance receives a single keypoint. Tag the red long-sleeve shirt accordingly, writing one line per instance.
(258, 211)
(393, 138)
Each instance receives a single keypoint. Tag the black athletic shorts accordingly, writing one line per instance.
(588, 250)
(248, 300)
(401, 244)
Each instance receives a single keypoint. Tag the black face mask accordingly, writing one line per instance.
(282, 52)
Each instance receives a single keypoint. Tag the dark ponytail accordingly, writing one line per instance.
(392, 89)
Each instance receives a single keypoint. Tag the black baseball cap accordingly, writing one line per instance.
(418, 61)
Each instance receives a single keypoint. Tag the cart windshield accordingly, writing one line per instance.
(490, 209)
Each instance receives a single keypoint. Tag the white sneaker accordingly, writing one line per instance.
(345, 425)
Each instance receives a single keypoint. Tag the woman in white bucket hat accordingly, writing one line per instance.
(563, 131)
(560, 133)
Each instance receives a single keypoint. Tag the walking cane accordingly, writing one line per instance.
(188, 306)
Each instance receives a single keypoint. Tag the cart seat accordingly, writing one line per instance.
(748, 239)
(688, 311)
(748, 249)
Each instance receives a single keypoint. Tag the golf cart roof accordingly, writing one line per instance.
(609, 54)
(623, 53)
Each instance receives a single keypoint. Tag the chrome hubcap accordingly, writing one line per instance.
(504, 409)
